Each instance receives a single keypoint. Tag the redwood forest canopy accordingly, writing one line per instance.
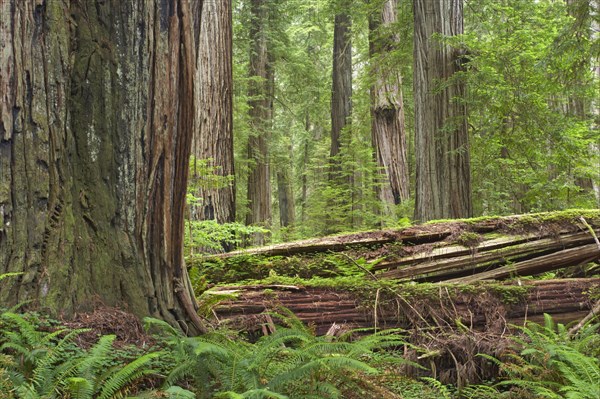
(359, 114)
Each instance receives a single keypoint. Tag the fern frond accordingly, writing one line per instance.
(130, 372)
(179, 372)
(176, 392)
(79, 388)
(441, 388)
(313, 367)
(162, 326)
(91, 364)
(262, 393)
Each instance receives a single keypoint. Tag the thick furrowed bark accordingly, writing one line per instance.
(442, 186)
(260, 104)
(96, 129)
(341, 90)
(213, 134)
(388, 132)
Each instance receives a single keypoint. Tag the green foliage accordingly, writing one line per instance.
(291, 362)
(526, 70)
(7, 275)
(204, 175)
(443, 390)
(550, 364)
(208, 236)
(47, 364)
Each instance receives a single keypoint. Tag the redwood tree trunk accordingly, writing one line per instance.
(213, 139)
(96, 123)
(443, 188)
(341, 100)
(261, 111)
(387, 112)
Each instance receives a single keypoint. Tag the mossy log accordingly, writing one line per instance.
(457, 251)
(482, 306)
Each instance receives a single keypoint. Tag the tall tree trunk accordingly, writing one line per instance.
(443, 188)
(96, 122)
(213, 139)
(261, 111)
(305, 166)
(387, 113)
(341, 100)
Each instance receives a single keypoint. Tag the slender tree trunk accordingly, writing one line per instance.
(341, 100)
(96, 122)
(287, 210)
(261, 111)
(441, 139)
(387, 113)
(304, 179)
(213, 139)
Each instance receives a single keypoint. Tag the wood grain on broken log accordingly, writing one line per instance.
(557, 260)
(503, 254)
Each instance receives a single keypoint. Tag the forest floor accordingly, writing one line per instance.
(454, 289)
(457, 288)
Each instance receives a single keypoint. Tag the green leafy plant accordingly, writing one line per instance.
(206, 236)
(550, 364)
(48, 364)
(291, 362)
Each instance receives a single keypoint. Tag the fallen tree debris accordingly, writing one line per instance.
(456, 251)
(477, 306)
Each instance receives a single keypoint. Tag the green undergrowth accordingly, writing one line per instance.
(40, 358)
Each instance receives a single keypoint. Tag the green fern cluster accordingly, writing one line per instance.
(39, 364)
(551, 364)
(290, 363)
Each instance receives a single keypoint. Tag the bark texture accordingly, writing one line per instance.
(341, 95)
(213, 138)
(96, 123)
(261, 113)
(443, 188)
(387, 111)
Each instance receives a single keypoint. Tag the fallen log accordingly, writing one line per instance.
(428, 233)
(458, 251)
(517, 257)
(481, 306)
(540, 264)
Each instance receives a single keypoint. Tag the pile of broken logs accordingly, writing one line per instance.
(506, 251)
